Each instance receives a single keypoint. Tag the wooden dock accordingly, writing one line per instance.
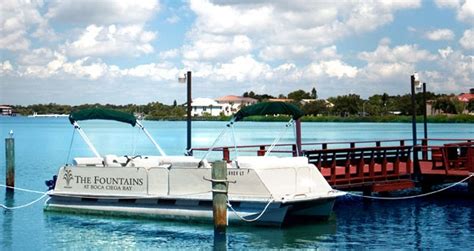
(381, 166)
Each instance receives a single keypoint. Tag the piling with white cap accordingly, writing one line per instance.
(10, 160)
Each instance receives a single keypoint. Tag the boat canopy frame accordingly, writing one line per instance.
(107, 114)
(262, 109)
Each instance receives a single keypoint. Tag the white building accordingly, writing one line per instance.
(6, 110)
(231, 103)
(205, 106)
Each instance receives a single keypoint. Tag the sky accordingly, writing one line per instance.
(122, 52)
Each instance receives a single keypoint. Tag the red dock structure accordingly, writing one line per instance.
(381, 166)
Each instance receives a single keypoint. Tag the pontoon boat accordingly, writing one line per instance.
(265, 190)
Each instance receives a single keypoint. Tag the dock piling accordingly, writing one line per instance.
(470, 185)
(10, 161)
(219, 203)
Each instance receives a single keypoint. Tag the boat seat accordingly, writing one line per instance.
(174, 161)
(148, 163)
(88, 161)
(114, 161)
(260, 162)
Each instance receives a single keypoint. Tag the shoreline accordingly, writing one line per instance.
(463, 118)
(439, 119)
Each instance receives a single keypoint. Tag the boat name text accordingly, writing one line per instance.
(97, 180)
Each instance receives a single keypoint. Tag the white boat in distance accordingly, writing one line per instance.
(49, 115)
(263, 190)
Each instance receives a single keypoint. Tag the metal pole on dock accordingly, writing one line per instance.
(10, 160)
(298, 136)
(188, 117)
(416, 164)
(182, 79)
(425, 125)
(219, 204)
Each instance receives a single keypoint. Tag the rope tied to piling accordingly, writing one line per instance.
(43, 194)
(413, 196)
(254, 219)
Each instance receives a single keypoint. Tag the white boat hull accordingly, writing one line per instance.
(277, 213)
(284, 189)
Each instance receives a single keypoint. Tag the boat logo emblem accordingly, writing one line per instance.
(68, 177)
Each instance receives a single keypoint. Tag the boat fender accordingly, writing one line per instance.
(51, 183)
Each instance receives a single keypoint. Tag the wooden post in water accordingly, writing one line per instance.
(219, 204)
(10, 160)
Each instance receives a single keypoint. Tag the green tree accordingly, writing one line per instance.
(470, 105)
(316, 107)
(299, 95)
(346, 104)
(314, 93)
(446, 104)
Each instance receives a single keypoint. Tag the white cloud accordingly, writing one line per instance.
(157, 72)
(275, 52)
(440, 34)
(448, 3)
(444, 53)
(36, 57)
(386, 64)
(287, 31)
(467, 40)
(402, 53)
(213, 47)
(103, 12)
(387, 71)
(112, 41)
(242, 68)
(332, 68)
(173, 53)
(455, 73)
(173, 19)
(5, 68)
(17, 18)
(464, 8)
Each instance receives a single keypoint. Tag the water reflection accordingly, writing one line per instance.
(82, 231)
(7, 222)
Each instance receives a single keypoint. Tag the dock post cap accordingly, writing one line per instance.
(10, 134)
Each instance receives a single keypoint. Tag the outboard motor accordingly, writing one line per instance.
(51, 183)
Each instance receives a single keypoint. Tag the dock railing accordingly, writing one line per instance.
(448, 154)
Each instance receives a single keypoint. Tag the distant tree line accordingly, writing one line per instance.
(376, 105)
(339, 106)
(153, 110)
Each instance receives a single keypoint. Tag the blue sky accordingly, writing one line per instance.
(107, 51)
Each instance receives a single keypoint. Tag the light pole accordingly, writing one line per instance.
(425, 125)
(415, 83)
(187, 78)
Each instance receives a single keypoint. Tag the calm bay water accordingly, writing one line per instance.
(42, 145)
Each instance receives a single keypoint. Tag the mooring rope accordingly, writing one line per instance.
(44, 194)
(25, 205)
(254, 219)
(413, 196)
(22, 189)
